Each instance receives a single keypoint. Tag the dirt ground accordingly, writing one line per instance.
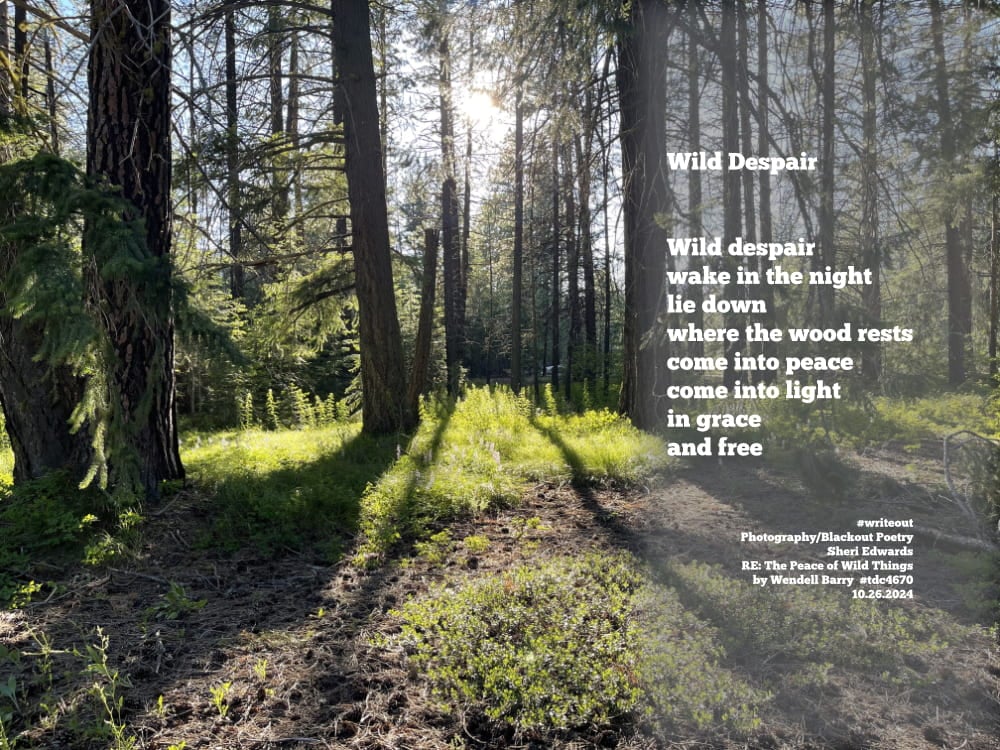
(293, 638)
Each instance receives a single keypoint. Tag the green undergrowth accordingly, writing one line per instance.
(477, 454)
(681, 649)
(574, 643)
(812, 624)
(859, 421)
(49, 520)
(318, 487)
(287, 490)
(6, 469)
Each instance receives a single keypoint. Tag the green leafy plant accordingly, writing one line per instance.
(271, 405)
(175, 604)
(260, 669)
(809, 624)
(106, 687)
(248, 419)
(476, 544)
(47, 518)
(220, 695)
(573, 642)
(436, 548)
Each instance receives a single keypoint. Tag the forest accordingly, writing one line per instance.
(433, 374)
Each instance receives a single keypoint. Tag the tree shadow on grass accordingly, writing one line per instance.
(619, 533)
(829, 664)
(297, 507)
(234, 589)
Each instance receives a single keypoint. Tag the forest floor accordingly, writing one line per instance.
(213, 649)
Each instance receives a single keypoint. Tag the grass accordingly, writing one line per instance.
(316, 489)
(479, 453)
(857, 423)
(284, 490)
(290, 489)
(561, 644)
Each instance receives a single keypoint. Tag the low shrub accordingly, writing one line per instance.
(574, 642)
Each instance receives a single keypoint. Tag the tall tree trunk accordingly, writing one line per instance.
(641, 78)
(21, 62)
(233, 195)
(746, 133)
(5, 91)
(383, 382)
(731, 178)
(275, 49)
(608, 241)
(50, 96)
(586, 245)
(871, 257)
(128, 146)
(292, 125)
(37, 403)
(518, 259)
(383, 84)
(994, 332)
(572, 275)
(339, 106)
(425, 324)
(36, 399)
(695, 292)
(537, 335)
(192, 169)
(959, 286)
(826, 250)
(463, 292)
(451, 250)
(452, 262)
(769, 348)
(555, 289)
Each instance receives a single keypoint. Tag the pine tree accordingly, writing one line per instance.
(128, 150)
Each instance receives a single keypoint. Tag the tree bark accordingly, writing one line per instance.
(50, 96)
(425, 324)
(731, 189)
(871, 257)
(5, 51)
(518, 259)
(959, 286)
(451, 250)
(292, 125)
(128, 147)
(36, 399)
(384, 407)
(586, 245)
(696, 291)
(642, 96)
(826, 254)
(749, 230)
(572, 275)
(38, 402)
(21, 62)
(994, 332)
(275, 49)
(770, 348)
(555, 288)
(233, 198)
